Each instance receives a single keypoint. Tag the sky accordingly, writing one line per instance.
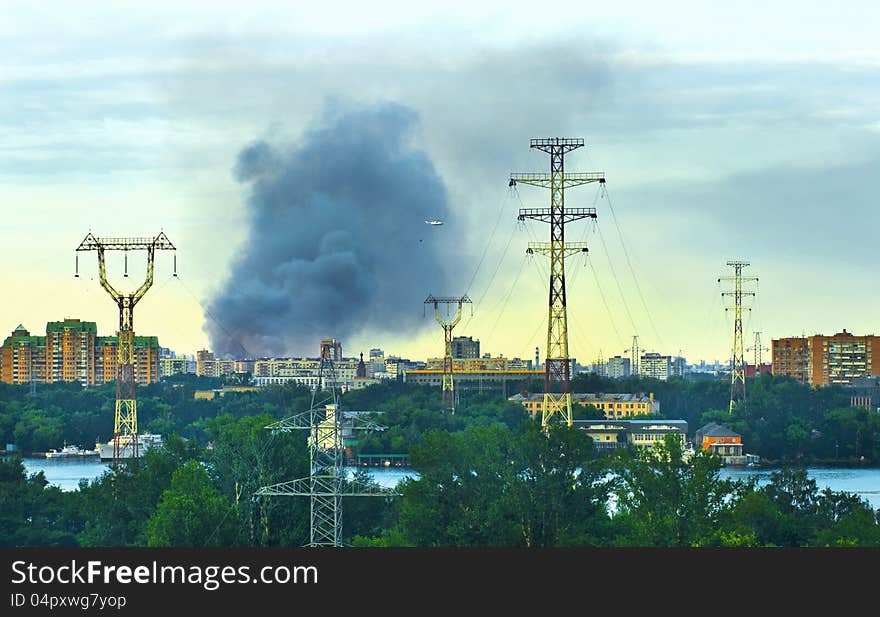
(743, 131)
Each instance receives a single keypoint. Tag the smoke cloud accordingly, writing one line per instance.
(337, 242)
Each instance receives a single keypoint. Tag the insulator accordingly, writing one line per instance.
(175, 264)
(76, 272)
(126, 263)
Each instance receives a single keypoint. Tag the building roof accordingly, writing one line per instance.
(485, 371)
(139, 341)
(72, 324)
(631, 425)
(588, 397)
(658, 425)
(600, 423)
(17, 338)
(713, 429)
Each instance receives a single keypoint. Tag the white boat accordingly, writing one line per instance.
(126, 449)
(70, 452)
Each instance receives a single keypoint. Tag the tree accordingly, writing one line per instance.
(31, 512)
(115, 507)
(665, 500)
(244, 457)
(191, 512)
(493, 486)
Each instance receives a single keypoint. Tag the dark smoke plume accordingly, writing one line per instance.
(337, 242)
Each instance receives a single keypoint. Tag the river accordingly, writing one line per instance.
(863, 482)
(67, 474)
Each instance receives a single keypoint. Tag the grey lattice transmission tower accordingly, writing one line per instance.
(758, 349)
(635, 355)
(326, 484)
(737, 368)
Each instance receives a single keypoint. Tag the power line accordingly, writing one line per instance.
(211, 316)
(506, 297)
(616, 280)
(632, 271)
(492, 279)
(491, 237)
(605, 302)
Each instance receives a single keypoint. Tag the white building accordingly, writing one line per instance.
(654, 365)
(175, 366)
(303, 371)
(618, 367)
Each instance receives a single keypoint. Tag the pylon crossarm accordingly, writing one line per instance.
(568, 180)
(549, 144)
(93, 243)
(359, 424)
(568, 248)
(298, 421)
(307, 487)
(447, 300)
(545, 215)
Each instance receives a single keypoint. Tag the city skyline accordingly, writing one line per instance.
(718, 142)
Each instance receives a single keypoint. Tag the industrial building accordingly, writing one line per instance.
(825, 360)
(486, 363)
(614, 406)
(480, 380)
(72, 351)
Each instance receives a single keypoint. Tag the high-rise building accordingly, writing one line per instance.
(146, 359)
(654, 365)
(677, 366)
(824, 360)
(790, 357)
(465, 347)
(618, 367)
(173, 366)
(72, 351)
(331, 349)
(23, 357)
(209, 366)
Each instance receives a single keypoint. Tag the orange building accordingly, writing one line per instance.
(23, 357)
(824, 360)
(146, 359)
(71, 351)
(720, 440)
